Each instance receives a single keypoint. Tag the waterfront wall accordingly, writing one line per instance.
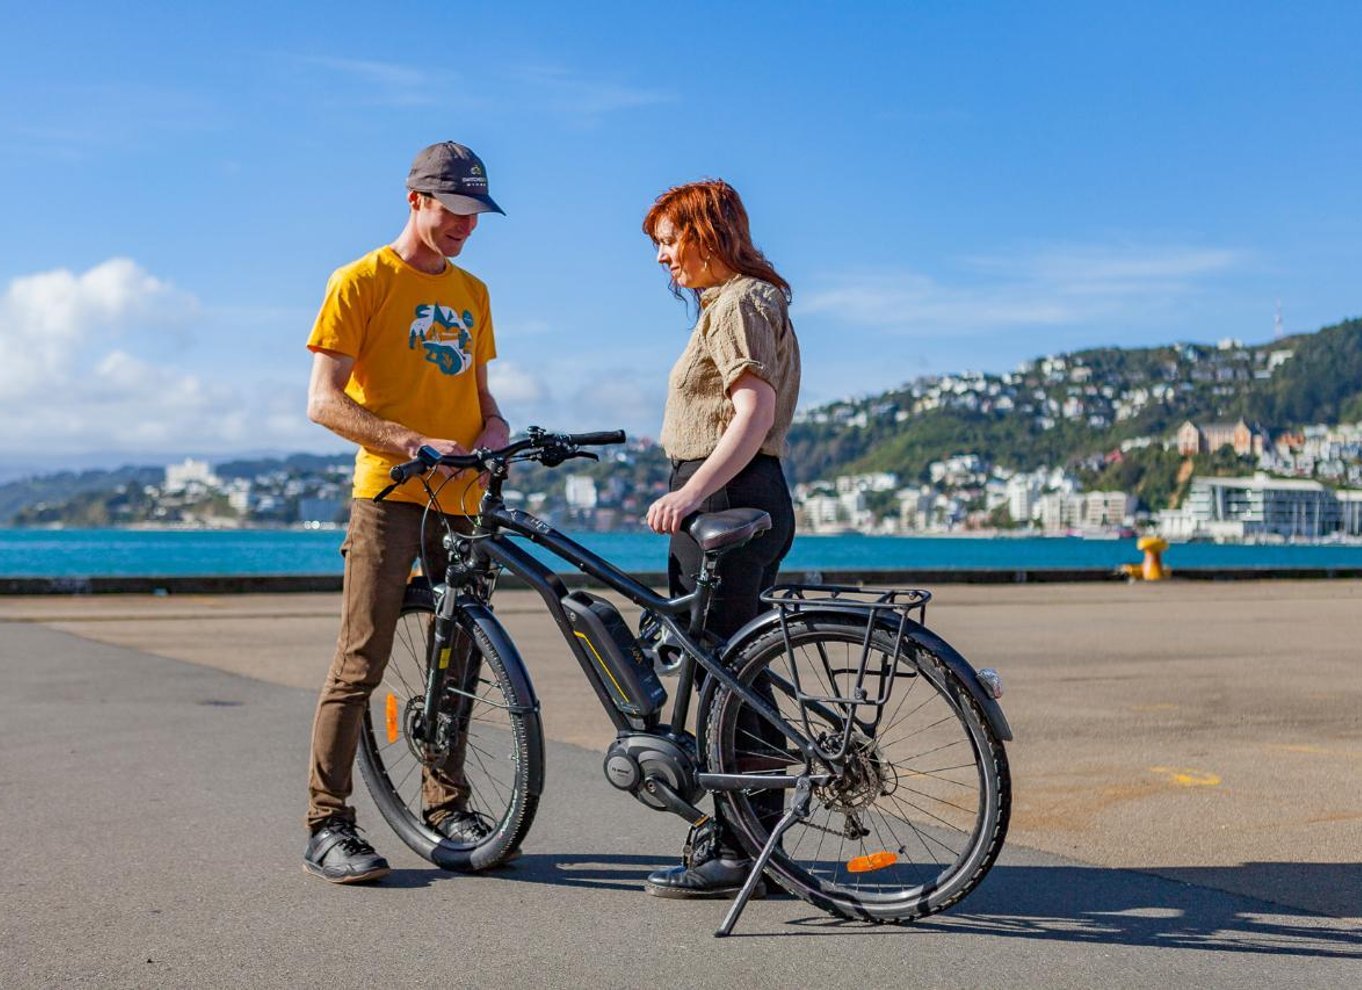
(289, 583)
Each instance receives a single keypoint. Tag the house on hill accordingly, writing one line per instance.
(1202, 439)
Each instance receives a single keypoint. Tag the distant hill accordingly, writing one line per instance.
(1319, 382)
(66, 485)
(304, 463)
(1066, 410)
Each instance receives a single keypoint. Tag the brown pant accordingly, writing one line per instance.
(382, 542)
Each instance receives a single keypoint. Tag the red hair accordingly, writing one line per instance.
(709, 215)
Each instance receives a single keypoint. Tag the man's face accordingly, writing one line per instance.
(441, 230)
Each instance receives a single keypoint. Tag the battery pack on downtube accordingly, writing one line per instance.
(614, 652)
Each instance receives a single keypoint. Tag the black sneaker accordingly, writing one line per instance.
(335, 852)
(466, 827)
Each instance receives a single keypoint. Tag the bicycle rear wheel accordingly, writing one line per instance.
(503, 752)
(914, 816)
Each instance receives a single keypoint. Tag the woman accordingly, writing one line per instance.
(730, 400)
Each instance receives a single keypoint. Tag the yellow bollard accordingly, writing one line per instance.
(1153, 546)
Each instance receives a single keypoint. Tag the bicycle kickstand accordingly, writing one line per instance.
(799, 808)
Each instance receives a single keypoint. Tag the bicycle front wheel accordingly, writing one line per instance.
(914, 813)
(488, 758)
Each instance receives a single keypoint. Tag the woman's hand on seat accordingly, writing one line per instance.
(667, 513)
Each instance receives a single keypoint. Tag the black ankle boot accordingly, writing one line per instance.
(710, 867)
(717, 877)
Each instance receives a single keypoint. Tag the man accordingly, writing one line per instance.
(400, 351)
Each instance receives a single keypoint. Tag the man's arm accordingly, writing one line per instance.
(329, 406)
(496, 432)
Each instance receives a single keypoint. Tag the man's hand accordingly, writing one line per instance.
(443, 447)
(667, 513)
(495, 434)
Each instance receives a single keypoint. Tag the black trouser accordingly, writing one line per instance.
(746, 572)
(743, 574)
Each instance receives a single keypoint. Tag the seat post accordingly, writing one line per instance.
(705, 584)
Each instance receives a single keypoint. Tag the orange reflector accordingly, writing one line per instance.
(392, 717)
(874, 861)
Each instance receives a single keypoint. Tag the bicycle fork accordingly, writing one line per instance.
(441, 724)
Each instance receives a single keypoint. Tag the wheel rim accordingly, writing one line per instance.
(907, 818)
(400, 761)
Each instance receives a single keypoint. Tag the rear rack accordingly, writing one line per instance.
(889, 610)
(798, 597)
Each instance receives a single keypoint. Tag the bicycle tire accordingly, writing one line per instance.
(504, 749)
(929, 786)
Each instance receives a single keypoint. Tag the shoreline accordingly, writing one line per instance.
(232, 584)
(1096, 536)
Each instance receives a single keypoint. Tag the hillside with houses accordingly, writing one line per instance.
(1097, 441)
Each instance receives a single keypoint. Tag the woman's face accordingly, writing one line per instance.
(682, 261)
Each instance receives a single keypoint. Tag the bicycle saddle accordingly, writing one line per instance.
(727, 529)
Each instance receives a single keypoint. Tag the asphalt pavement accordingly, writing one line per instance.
(151, 811)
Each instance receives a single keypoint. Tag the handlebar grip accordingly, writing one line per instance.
(401, 472)
(600, 439)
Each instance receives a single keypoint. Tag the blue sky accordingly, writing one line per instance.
(947, 186)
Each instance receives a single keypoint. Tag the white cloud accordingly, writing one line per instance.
(563, 92)
(584, 395)
(1048, 287)
(72, 384)
(386, 83)
(514, 385)
(86, 372)
(571, 94)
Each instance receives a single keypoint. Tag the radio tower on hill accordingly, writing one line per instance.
(1277, 323)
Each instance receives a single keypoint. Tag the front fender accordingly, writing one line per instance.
(918, 633)
(478, 617)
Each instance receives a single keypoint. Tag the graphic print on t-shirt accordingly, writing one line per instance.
(444, 336)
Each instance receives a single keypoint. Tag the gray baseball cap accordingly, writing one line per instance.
(454, 176)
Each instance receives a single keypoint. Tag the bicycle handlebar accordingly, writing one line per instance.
(602, 439)
(559, 446)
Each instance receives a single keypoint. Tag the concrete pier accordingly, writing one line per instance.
(1187, 771)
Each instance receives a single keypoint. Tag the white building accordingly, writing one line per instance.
(1350, 511)
(1056, 511)
(580, 491)
(181, 476)
(1238, 507)
(822, 511)
(1022, 490)
(879, 481)
(1105, 510)
(1062, 511)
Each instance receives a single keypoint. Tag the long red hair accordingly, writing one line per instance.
(709, 216)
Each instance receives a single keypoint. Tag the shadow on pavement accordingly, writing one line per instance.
(599, 872)
(1061, 904)
(411, 879)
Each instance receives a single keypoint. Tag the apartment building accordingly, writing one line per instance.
(1262, 506)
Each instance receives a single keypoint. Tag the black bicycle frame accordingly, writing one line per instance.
(470, 555)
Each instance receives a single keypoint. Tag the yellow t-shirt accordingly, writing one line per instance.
(417, 341)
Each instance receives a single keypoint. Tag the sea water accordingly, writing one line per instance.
(127, 552)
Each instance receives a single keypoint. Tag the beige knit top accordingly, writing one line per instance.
(744, 326)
